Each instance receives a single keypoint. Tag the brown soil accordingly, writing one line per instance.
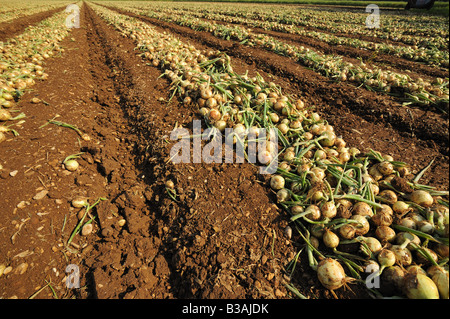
(10, 29)
(222, 236)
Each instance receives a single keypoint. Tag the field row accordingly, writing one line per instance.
(373, 77)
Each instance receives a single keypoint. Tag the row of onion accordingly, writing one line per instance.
(433, 91)
(345, 206)
(424, 31)
(431, 56)
(22, 64)
(11, 10)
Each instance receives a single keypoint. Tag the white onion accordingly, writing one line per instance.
(422, 198)
(330, 239)
(419, 286)
(363, 209)
(277, 182)
(71, 165)
(347, 231)
(79, 202)
(363, 226)
(388, 196)
(385, 233)
(331, 274)
(372, 243)
(401, 208)
(440, 278)
(328, 210)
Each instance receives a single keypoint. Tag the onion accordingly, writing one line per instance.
(385, 233)
(385, 168)
(317, 230)
(402, 254)
(71, 165)
(347, 231)
(422, 198)
(363, 209)
(79, 202)
(277, 182)
(425, 227)
(393, 276)
(416, 269)
(388, 196)
(372, 243)
(403, 237)
(330, 239)
(421, 258)
(283, 195)
(386, 258)
(328, 210)
(401, 208)
(442, 250)
(419, 286)
(371, 266)
(331, 274)
(312, 212)
(407, 222)
(382, 219)
(441, 280)
(5, 115)
(363, 226)
(343, 208)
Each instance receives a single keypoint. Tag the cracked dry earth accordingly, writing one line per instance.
(221, 237)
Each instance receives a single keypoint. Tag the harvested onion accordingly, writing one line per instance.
(422, 198)
(419, 286)
(331, 274)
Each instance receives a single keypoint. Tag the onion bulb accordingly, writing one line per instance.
(277, 182)
(331, 274)
(5, 115)
(394, 277)
(386, 258)
(385, 233)
(388, 196)
(363, 226)
(347, 231)
(401, 208)
(71, 165)
(422, 198)
(372, 243)
(328, 210)
(79, 202)
(419, 286)
(382, 219)
(440, 278)
(363, 209)
(402, 254)
(330, 239)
